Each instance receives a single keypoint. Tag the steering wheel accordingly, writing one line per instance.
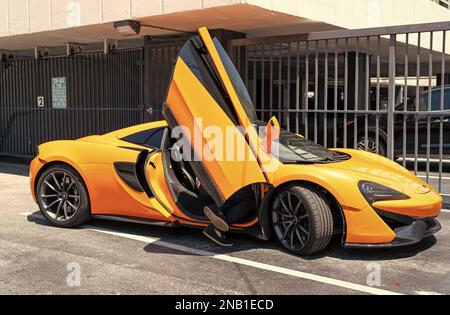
(177, 156)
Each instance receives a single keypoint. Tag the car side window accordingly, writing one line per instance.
(436, 100)
(149, 138)
(154, 141)
(447, 99)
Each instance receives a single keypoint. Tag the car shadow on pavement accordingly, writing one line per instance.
(335, 250)
(191, 242)
(389, 253)
(13, 168)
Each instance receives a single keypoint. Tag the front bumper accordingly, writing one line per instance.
(406, 235)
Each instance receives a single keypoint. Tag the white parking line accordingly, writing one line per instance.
(245, 262)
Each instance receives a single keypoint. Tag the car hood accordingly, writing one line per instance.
(373, 167)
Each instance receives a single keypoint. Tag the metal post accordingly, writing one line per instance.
(37, 53)
(105, 46)
(391, 97)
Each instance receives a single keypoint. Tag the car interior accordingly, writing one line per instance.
(181, 179)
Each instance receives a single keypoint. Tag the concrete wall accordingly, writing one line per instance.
(354, 14)
(30, 16)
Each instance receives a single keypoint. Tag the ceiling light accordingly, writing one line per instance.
(128, 27)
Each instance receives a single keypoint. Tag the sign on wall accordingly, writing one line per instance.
(59, 92)
(40, 101)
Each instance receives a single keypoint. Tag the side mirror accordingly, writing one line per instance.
(272, 134)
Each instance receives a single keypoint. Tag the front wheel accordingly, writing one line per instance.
(302, 220)
(62, 196)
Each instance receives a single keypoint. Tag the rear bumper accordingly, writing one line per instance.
(406, 235)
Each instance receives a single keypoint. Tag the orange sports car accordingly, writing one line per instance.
(304, 193)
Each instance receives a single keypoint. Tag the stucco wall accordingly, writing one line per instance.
(30, 16)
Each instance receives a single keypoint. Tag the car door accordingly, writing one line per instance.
(202, 106)
(120, 177)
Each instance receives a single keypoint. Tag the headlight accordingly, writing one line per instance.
(374, 192)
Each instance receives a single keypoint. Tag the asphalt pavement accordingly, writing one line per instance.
(123, 258)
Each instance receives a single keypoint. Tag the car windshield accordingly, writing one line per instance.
(292, 148)
(237, 82)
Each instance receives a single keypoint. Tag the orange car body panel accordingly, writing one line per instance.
(187, 100)
(252, 136)
(94, 157)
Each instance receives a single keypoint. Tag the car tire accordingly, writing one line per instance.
(371, 144)
(63, 197)
(302, 220)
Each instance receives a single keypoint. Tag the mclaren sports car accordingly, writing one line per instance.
(305, 194)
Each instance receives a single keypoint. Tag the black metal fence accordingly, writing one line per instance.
(383, 90)
(159, 60)
(104, 93)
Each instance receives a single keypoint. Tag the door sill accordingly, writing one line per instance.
(138, 220)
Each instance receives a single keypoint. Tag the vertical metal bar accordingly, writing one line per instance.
(305, 115)
(356, 101)
(288, 101)
(246, 66)
(345, 91)
(430, 78)
(280, 90)
(377, 96)
(367, 93)
(255, 49)
(271, 81)
(263, 79)
(391, 97)
(316, 88)
(297, 88)
(336, 77)
(325, 97)
(416, 116)
(442, 107)
(239, 58)
(405, 99)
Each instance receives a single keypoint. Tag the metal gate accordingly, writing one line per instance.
(159, 60)
(104, 93)
(383, 90)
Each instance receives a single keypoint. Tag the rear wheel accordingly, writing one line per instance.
(62, 196)
(302, 220)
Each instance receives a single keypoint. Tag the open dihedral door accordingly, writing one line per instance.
(198, 105)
